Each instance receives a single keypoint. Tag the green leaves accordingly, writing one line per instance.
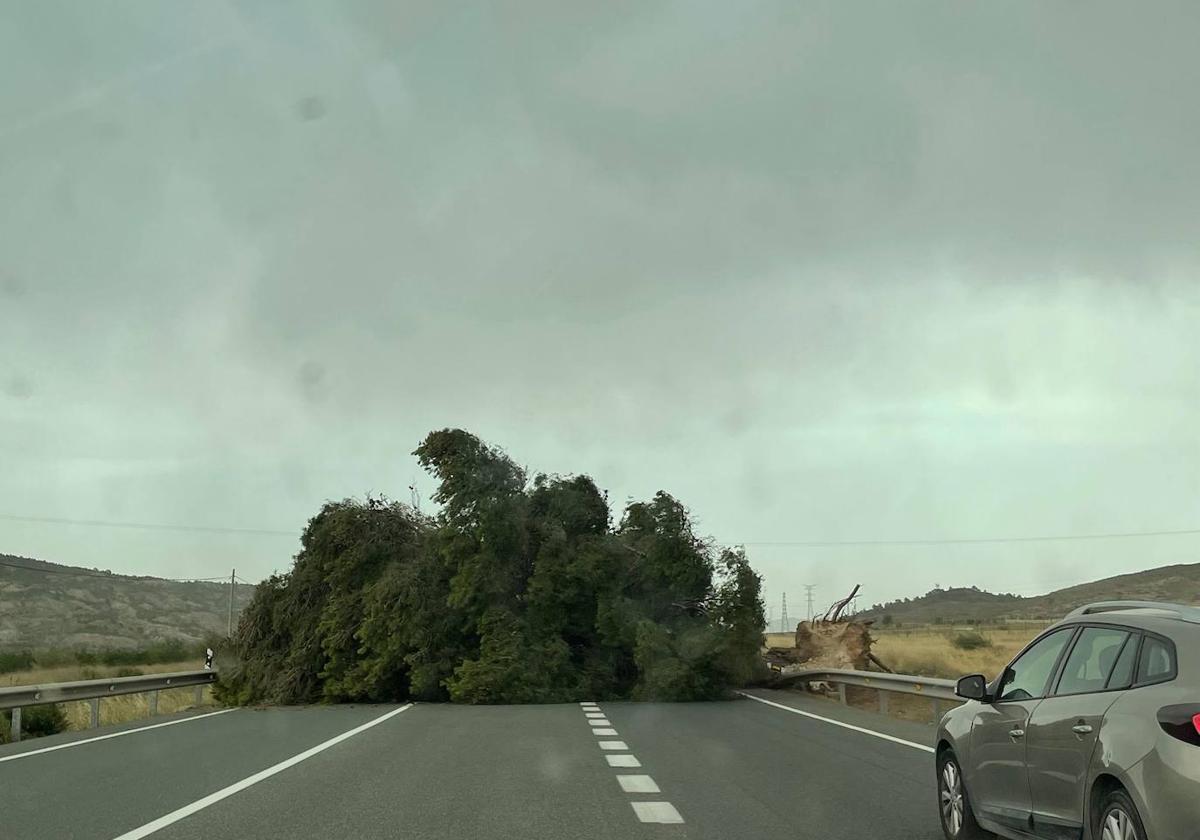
(512, 594)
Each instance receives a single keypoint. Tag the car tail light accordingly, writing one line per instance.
(1182, 722)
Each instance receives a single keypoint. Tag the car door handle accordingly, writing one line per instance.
(1017, 733)
(1081, 729)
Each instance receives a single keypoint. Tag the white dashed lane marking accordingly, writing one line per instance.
(663, 813)
(622, 761)
(632, 783)
(656, 812)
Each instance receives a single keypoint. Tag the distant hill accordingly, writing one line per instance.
(1180, 583)
(45, 605)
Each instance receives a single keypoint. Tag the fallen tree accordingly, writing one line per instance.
(515, 592)
(827, 642)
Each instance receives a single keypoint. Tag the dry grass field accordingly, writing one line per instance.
(67, 673)
(931, 652)
(114, 709)
(779, 639)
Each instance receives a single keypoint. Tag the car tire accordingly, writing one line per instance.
(1118, 818)
(954, 806)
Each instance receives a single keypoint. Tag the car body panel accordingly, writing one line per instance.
(997, 769)
(1160, 773)
(1059, 759)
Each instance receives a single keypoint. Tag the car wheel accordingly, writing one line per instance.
(1119, 819)
(954, 808)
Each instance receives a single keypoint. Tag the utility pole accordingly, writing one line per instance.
(232, 583)
(808, 593)
(783, 619)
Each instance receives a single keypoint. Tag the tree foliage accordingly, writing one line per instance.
(516, 592)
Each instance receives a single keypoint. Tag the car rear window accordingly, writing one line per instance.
(1157, 661)
(1122, 673)
(1091, 660)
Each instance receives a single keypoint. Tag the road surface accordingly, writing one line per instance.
(743, 768)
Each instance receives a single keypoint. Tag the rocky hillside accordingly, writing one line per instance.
(45, 605)
(1180, 583)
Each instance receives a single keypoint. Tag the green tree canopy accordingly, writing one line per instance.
(515, 592)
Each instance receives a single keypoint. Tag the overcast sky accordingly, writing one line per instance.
(824, 271)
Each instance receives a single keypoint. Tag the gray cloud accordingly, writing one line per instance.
(824, 272)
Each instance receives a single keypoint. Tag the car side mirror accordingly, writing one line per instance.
(972, 687)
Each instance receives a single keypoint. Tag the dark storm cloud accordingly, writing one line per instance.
(824, 271)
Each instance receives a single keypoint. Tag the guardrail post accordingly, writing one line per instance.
(883, 702)
(842, 693)
(94, 717)
(937, 711)
(16, 724)
(199, 694)
(152, 701)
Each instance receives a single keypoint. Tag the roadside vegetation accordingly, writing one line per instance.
(50, 719)
(952, 652)
(102, 662)
(518, 591)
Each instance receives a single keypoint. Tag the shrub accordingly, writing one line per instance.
(970, 640)
(54, 658)
(37, 721)
(16, 661)
(129, 672)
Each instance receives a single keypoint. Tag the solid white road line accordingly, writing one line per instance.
(613, 745)
(631, 783)
(120, 734)
(842, 724)
(226, 792)
(622, 761)
(656, 812)
(604, 732)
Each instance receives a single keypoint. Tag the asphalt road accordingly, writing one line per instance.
(722, 770)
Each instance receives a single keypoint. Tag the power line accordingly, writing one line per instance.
(148, 526)
(213, 529)
(974, 540)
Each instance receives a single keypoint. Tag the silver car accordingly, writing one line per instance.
(1093, 730)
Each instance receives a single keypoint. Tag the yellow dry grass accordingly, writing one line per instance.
(68, 673)
(930, 652)
(118, 709)
(779, 639)
(127, 707)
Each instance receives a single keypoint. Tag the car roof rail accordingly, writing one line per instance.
(1183, 612)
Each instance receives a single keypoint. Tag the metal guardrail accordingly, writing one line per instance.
(937, 690)
(17, 696)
